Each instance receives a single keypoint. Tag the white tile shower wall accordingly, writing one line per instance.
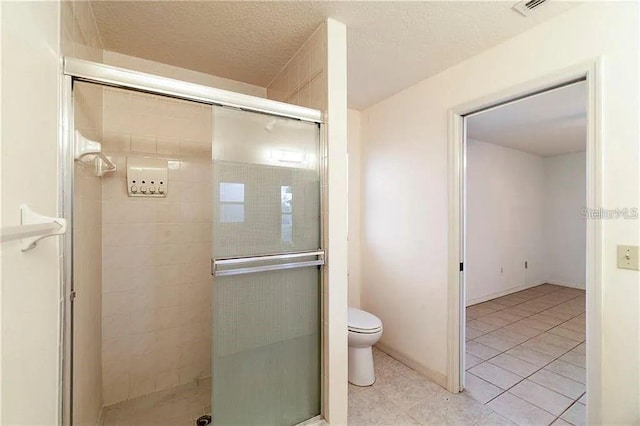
(303, 81)
(156, 273)
(165, 70)
(79, 34)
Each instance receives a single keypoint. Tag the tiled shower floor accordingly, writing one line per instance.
(179, 406)
(525, 355)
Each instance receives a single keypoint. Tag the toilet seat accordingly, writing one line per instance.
(359, 321)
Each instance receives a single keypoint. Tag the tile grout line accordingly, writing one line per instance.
(545, 365)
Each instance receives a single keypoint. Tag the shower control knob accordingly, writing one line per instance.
(143, 189)
(152, 190)
(160, 190)
(134, 189)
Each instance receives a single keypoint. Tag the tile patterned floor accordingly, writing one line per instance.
(401, 396)
(179, 406)
(525, 355)
(525, 365)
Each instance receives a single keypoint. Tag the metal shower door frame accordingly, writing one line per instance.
(74, 69)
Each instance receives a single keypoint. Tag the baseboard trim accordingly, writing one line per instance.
(432, 375)
(563, 284)
(503, 293)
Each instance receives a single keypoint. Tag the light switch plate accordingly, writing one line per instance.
(628, 257)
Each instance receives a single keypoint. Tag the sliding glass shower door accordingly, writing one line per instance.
(266, 266)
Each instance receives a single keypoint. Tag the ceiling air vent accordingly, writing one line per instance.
(526, 6)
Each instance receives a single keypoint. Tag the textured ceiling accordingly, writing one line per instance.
(551, 123)
(392, 45)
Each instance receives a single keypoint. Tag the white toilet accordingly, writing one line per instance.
(365, 330)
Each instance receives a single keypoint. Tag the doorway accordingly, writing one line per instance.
(500, 303)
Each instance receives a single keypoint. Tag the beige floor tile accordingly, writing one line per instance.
(508, 316)
(509, 334)
(532, 308)
(477, 311)
(559, 313)
(482, 326)
(523, 330)
(578, 326)
(495, 375)
(565, 332)
(458, 409)
(542, 317)
(580, 349)
(495, 419)
(495, 320)
(576, 415)
(556, 340)
(471, 361)
(569, 370)
(539, 359)
(533, 323)
(369, 407)
(515, 310)
(544, 347)
(480, 350)
(508, 302)
(472, 333)
(396, 419)
(520, 411)
(500, 343)
(560, 422)
(408, 388)
(479, 389)
(515, 365)
(558, 383)
(541, 397)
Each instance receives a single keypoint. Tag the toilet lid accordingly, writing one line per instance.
(360, 320)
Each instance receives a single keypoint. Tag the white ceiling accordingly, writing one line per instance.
(548, 124)
(391, 45)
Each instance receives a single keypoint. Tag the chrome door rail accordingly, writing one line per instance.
(120, 77)
(215, 263)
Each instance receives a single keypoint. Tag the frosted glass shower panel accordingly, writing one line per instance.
(267, 184)
(266, 311)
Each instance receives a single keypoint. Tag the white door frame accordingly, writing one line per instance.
(456, 174)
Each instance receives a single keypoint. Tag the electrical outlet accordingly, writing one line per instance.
(628, 257)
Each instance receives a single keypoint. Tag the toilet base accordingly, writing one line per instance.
(361, 372)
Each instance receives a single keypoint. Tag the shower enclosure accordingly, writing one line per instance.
(264, 247)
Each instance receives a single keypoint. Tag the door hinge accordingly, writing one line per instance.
(461, 267)
(72, 295)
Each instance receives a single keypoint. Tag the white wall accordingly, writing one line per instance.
(565, 231)
(405, 189)
(354, 151)
(523, 207)
(30, 281)
(505, 220)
